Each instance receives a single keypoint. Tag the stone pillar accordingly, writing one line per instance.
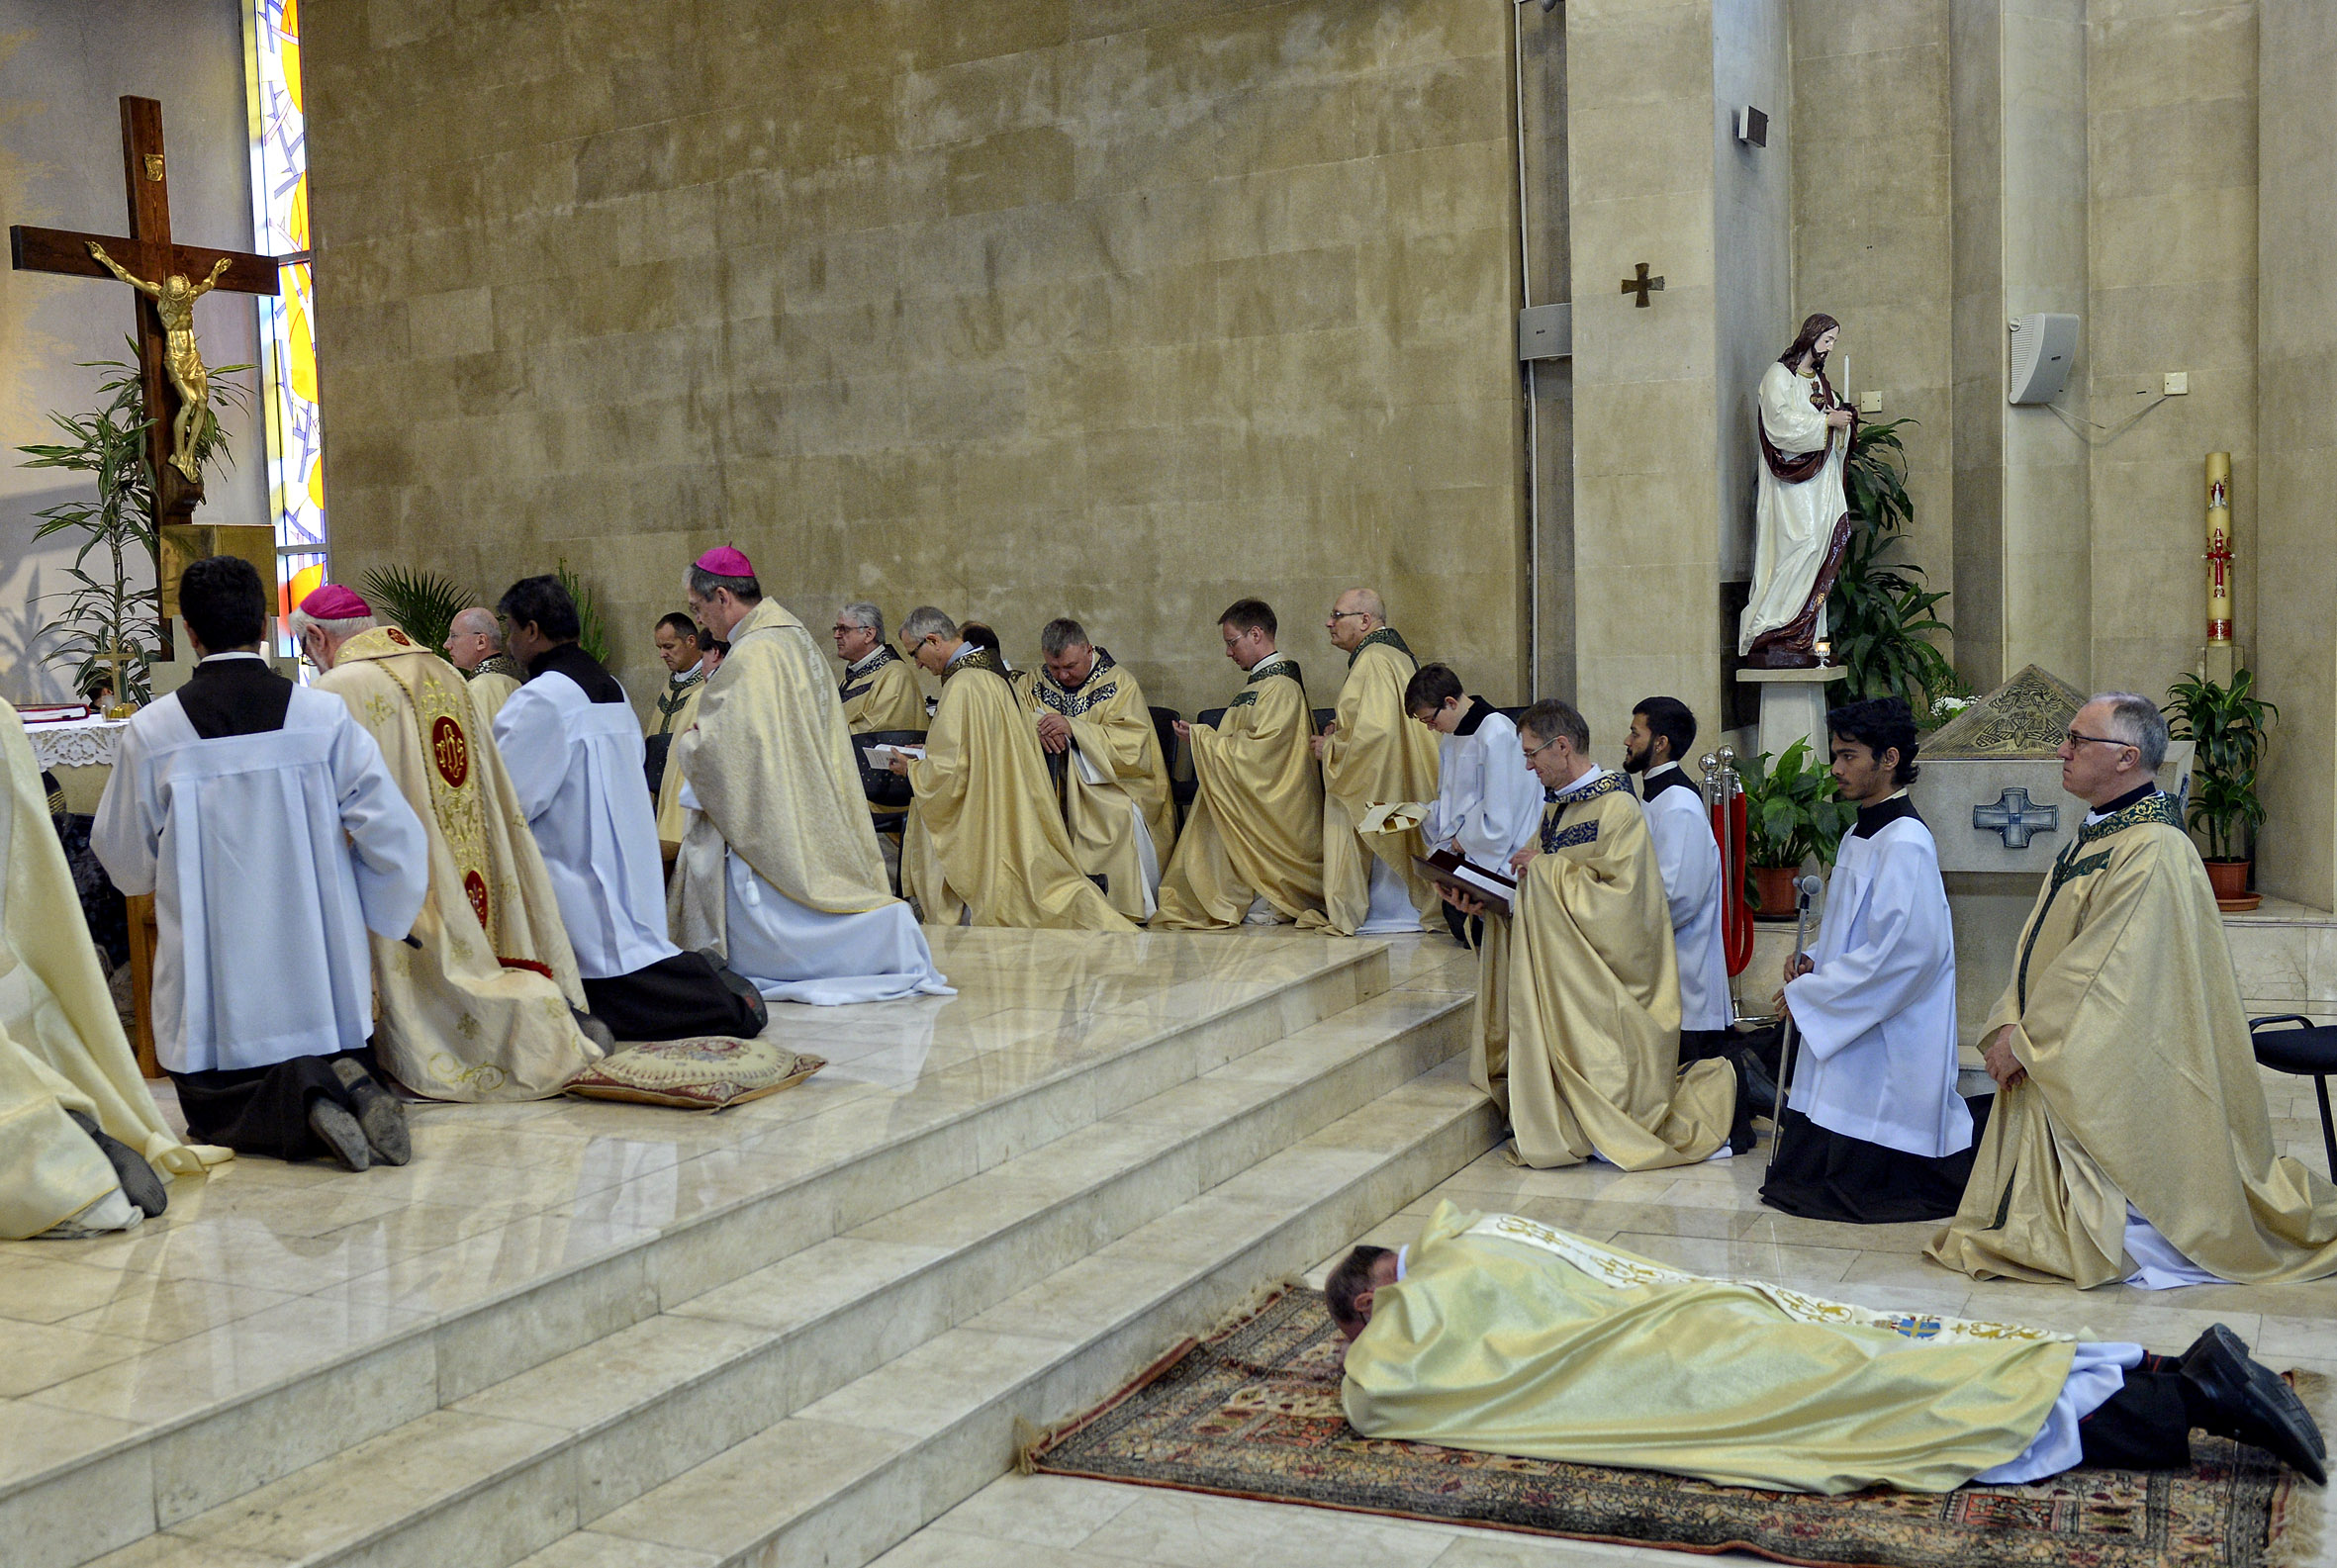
(2296, 443)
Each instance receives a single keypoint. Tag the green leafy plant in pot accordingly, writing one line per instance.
(1791, 813)
(2228, 726)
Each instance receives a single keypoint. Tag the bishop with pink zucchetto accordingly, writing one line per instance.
(780, 870)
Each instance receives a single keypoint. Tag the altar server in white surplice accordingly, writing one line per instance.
(262, 818)
(1662, 729)
(1488, 804)
(780, 870)
(575, 753)
(1874, 1130)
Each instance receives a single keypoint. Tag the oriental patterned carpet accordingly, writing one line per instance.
(1255, 1412)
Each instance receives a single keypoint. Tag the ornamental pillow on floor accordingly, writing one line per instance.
(704, 1073)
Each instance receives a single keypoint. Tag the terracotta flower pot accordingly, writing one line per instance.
(2229, 879)
(1773, 887)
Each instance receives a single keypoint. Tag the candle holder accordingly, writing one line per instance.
(1825, 651)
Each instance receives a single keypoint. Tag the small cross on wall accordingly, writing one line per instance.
(1642, 286)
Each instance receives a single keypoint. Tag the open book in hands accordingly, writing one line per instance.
(1450, 869)
(882, 755)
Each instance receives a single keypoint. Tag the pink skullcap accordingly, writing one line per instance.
(335, 603)
(723, 561)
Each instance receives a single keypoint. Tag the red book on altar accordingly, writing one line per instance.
(51, 713)
(1450, 869)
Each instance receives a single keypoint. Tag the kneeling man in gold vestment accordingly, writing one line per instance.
(1578, 996)
(986, 844)
(485, 1008)
(1114, 784)
(1373, 754)
(2129, 1139)
(1501, 1335)
(1252, 851)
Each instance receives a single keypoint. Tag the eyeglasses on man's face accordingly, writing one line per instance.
(1533, 752)
(2074, 738)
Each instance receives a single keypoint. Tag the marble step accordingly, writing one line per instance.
(822, 1177)
(840, 1481)
(565, 1442)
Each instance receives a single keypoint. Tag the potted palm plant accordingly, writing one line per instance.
(2227, 726)
(1791, 814)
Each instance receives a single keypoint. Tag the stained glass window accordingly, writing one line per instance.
(288, 350)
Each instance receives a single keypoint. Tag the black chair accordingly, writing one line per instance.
(887, 792)
(1323, 718)
(1513, 714)
(1183, 786)
(1211, 716)
(2309, 1051)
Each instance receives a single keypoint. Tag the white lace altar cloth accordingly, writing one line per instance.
(76, 743)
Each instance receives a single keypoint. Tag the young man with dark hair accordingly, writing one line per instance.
(1498, 1334)
(574, 750)
(1662, 730)
(263, 982)
(1488, 804)
(1251, 851)
(1874, 1132)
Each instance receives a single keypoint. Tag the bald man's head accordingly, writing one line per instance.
(474, 637)
(1354, 615)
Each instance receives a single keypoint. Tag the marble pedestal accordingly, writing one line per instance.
(1793, 707)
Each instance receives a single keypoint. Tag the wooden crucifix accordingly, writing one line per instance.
(174, 276)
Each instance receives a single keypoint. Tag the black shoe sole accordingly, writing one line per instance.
(2267, 1410)
(340, 1134)
(140, 1183)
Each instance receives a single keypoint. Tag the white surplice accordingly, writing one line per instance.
(1488, 804)
(1690, 859)
(577, 767)
(269, 855)
(1878, 1015)
(792, 953)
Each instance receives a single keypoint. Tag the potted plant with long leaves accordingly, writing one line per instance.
(2228, 727)
(1880, 614)
(423, 605)
(1791, 813)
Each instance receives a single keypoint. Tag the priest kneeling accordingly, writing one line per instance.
(1577, 1031)
(1874, 1130)
(780, 870)
(482, 1004)
(1505, 1335)
(2129, 1139)
(1115, 794)
(575, 754)
(287, 841)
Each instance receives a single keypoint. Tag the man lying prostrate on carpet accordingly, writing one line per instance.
(1501, 1335)
(2130, 1139)
(574, 750)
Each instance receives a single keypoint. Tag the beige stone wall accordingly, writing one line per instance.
(1873, 227)
(2296, 400)
(2171, 109)
(1646, 535)
(1020, 308)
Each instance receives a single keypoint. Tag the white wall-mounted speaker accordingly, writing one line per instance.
(2044, 346)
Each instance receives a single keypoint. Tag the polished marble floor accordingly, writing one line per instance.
(266, 1270)
(1705, 1218)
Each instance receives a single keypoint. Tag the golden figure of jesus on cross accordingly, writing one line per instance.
(174, 302)
(177, 384)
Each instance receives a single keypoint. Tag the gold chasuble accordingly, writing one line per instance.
(62, 1046)
(1577, 1031)
(499, 674)
(772, 767)
(2141, 1087)
(984, 833)
(1377, 754)
(677, 710)
(1256, 830)
(482, 1011)
(880, 692)
(1506, 1336)
(1112, 733)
